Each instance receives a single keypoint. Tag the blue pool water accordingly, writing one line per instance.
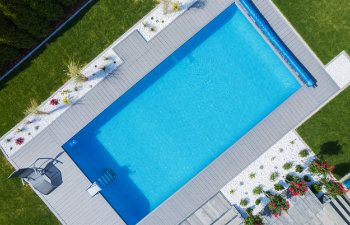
(183, 115)
(347, 183)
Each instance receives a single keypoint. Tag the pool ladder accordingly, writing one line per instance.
(108, 177)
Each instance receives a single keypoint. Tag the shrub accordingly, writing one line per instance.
(252, 175)
(278, 187)
(257, 190)
(316, 188)
(249, 211)
(73, 71)
(253, 220)
(277, 204)
(33, 108)
(333, 187)
(320, 167)
(176, 6)
(299, 169)
(304, 153)
(232, 191)
(298, 187)
(257, 202)
(307, 178)
(274, 176)
(244, 202)
(287, 166)
(289, 178)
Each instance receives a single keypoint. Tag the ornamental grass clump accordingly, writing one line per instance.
(33, 108)
(297, 187)
(73, 72)
(274, 176)
(320, 167)
(333, 187)
(257, 190)
(277, 204)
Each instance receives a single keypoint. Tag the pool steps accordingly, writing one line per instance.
(275, 40)
(107, 178)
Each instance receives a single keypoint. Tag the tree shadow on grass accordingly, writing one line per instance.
(331, 148)
(342, 169)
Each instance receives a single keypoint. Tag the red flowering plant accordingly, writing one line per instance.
(297, 186)
(320, 167)
(333, 187)
(277, 204)
(54, 101)
(19, 141)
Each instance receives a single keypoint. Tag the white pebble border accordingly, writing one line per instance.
(272, 161)
(158, 21)
(339, 69)
(74, 92)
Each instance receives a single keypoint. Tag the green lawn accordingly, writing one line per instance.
(82, 40)
(325, 26)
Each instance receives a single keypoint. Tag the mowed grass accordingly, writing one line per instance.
(82, 40)
(323, 24)
(328, 133)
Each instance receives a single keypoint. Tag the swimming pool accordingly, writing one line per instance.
(183, 114)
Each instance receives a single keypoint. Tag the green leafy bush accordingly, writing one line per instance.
(278, 187)
(257, 190)
(244, 202)
(289, 178)
(232, 191)
(333, 187)
(252, 175)
(249, 211)
(316, 188)
(304, 153)
(274, 176)
(277, 204)
(253, 220)
(299, 169)
(257, 202)
(287, 166)
(307, 178)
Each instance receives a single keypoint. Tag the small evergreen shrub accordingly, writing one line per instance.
(252, 175)
(253, 220)
(274, 176)
(249, 211)
(304, 153)
(289, 178)
(316, 188)
(298, 169)
(307, 178)
(257, 190)
(257, 202)
(244, 202)
(287, 166)
(278, 187)
(232, 191)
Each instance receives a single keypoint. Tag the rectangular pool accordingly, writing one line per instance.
(183, 114)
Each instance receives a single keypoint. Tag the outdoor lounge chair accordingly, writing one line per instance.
(108, 177)
(44, 180)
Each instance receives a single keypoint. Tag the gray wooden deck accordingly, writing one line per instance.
(70, 202)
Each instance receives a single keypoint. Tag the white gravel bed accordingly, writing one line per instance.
(157, 20)
(33, 124)
(285, 150)
(339, 69)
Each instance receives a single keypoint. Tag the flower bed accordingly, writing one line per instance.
(59, 102)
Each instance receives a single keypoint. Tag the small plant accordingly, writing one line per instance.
(249, 211)
(273, 158)
(316, 188)
(54, 101)
(37, 127)
(253, 220)
(307, 178)
(145, 25)
(19, 130)
(287, 166)
(241, 183)
(292, 142)
(257, 190)
(278, 187)
(66, 101)
(289, 178)
(29, 122)
(152, 18)
(303, 153)
(8, 140)
(29, 133)
(176, 6)
(73, 71)
(232, 191)
(333, 187)
(319, 167)
(11, 148)
(299, 169)
(33, 108)
(114, 62)
(281, 150)
(298, 187)
(106, 58)
(104, 68)
(66, 91)
(274, 176)
(257, 202)
(165, 6)
(95, 66)
(277, 204)
(261, 167)
(162, 21)
(152, 29)
(243, 202)
(76, 88)
(252, 175)
(19, 141)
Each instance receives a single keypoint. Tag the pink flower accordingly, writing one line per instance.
(19, 141)
(54, 101)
